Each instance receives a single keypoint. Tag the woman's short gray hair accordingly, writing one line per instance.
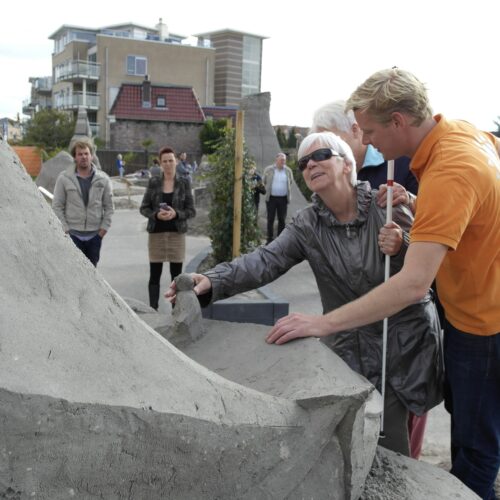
(332, 141)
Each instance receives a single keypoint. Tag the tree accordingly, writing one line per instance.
(146, 144)
(282, 140)
(221, 186)
(292, 139)
(49, 130)
(210, 135)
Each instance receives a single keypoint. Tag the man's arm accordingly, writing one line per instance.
(404, 288)
(59, 203)
(107, 207)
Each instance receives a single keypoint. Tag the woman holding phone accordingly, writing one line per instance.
(167, 203)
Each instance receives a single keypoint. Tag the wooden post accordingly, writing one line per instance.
(238, 183)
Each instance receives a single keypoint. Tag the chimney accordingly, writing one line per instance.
(146, 92)
(162, 29)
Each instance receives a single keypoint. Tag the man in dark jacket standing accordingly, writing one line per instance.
(83, 201)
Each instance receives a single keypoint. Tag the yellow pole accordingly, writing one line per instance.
(238, 182)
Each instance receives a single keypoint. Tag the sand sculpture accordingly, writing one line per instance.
(93, 402)
(96, 404)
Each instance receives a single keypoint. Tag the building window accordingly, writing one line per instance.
(252, 48)
(137, 65)
(161, 101)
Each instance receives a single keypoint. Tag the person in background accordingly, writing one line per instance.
(120, 165)
(167, 204)
(372, 167)
(257, 186)
(184, 169)
(83, 201)
(342, 237)
(278, 184)
(155, 169)
(456, 238)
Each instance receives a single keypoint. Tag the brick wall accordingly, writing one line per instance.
(127, 136)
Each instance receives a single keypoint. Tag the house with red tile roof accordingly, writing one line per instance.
(166, 114)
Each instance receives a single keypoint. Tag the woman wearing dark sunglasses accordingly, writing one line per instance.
(343, 237)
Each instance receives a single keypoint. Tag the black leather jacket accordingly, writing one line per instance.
(182, 202)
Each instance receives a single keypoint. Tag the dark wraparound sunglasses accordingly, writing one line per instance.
(318, 155)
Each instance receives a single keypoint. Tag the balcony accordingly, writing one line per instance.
(94, 128)
(77, 70)
(41, 85)
(88, 100)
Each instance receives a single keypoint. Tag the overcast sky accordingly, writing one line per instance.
(316, 51)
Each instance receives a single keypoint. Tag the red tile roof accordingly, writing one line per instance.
(30, 157)
(181, 104)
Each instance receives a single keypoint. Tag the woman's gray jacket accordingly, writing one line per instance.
(347, 263)
(182, 202)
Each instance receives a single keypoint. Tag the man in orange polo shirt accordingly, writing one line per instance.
(455, 238)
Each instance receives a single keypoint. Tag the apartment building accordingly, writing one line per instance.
(41, 95)
(90, 65)
(11, 130)
(238, 64)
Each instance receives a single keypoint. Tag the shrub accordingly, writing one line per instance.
(221, 186)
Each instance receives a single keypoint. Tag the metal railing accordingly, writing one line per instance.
(88, 100)
(77, 69)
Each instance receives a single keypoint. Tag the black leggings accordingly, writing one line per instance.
(155, 269)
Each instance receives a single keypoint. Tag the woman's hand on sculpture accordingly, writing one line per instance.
(297, 325)
(201, 285)
(390, 238)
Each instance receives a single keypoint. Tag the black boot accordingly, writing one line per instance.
(154, 295)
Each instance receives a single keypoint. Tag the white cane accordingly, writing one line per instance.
(390, 182)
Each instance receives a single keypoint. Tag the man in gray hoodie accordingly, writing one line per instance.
(83, 201)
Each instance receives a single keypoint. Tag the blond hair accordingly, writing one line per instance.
(389, 91)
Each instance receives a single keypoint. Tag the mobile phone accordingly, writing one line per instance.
(165, 206)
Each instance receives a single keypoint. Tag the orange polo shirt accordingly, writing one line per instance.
(458, 205)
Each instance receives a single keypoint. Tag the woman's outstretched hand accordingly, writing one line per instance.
(201, 285)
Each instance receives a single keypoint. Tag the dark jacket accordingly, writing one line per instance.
(377, 175)
(182, 202)
(347, 263)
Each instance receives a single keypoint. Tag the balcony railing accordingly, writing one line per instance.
(94, 128)
(76, 70)
(88, 100)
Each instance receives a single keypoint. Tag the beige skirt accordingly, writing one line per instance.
(167, 247)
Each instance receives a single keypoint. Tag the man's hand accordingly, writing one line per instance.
(399, 195)
(297, 325)
(202, 285)
(102, 232)
(390, 238)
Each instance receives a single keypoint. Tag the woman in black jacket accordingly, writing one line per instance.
(167, 203)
